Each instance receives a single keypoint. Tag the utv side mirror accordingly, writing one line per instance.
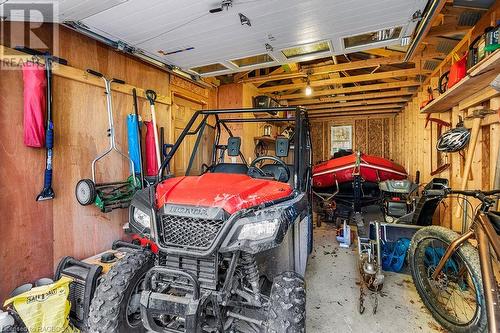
(233, 146)
(282, 146)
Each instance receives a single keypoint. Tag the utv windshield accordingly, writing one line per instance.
(261, 143)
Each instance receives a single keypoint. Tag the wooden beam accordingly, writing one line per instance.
(76, 74)
(359, 108)
(347, 66)
(378, 86)
(278, 70)
(383, 52)
(356, 103)
(353, 114)
(326, 69)
(343, 80)
(240, 75)
(447, 29)
(401, 92)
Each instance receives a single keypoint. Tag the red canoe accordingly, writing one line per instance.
(343, 169)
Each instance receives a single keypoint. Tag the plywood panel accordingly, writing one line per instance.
(321, 131)
(375, 137)
(317, 141)
(26, 247)
(361, 132)
(386, 133)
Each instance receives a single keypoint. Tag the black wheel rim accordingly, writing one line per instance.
(454, 295)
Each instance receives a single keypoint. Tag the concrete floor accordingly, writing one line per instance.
(333, 294)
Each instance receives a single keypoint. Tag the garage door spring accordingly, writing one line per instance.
(252, 273)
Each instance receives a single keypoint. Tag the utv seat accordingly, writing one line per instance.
(239, 168)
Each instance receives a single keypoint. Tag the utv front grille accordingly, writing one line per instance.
(204, 269)
(189, 232)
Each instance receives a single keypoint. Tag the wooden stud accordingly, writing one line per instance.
(79, 75)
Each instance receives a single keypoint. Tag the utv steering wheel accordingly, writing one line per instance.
(276, 160)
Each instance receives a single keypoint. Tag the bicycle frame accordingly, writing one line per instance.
(485, 236)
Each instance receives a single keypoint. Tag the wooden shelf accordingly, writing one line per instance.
(478, 78)
(266, 139)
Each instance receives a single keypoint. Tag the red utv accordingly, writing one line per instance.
(231, 239)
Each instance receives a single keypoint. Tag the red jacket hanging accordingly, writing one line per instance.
(35, 103)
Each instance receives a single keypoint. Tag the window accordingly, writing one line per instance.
(209, 68)
(253, 60)
(306, 49)
(341, 138)
(372, 37)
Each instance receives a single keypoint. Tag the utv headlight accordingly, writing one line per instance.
(258, 230)
(142, 218)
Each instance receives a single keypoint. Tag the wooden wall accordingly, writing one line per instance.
(416, 150)
(240, 95)
(371, 135)
(416, 143)
(37, 234)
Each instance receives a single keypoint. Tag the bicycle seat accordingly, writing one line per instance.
(495, 220)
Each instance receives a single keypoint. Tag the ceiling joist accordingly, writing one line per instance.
(357, 103)
(362, 113)
(357, 108)
(343, 80)
(378, 86)
(401, 92)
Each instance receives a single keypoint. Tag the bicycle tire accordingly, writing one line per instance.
(469, 256)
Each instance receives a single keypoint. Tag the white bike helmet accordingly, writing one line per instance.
(453, 140)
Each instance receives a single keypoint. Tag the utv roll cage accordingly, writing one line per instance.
(301, 138)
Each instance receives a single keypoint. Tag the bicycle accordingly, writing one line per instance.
(449, 272)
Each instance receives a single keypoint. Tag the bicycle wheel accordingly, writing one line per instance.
(455, 298)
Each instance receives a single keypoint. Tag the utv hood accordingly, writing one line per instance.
(230, 192)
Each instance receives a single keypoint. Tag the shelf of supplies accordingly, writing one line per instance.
(478, 78)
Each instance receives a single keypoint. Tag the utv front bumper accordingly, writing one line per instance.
(157, 306)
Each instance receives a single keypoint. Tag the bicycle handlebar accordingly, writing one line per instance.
(481, 195)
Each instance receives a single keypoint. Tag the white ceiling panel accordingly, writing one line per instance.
(170, 25)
